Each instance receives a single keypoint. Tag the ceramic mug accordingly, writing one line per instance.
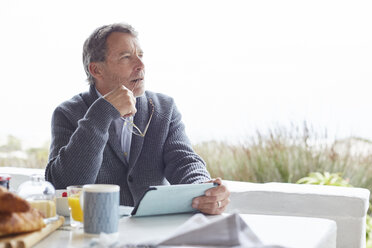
(101, 208)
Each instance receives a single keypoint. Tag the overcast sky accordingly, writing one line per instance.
(232, 66)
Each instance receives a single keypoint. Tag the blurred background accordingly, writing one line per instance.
(238, 70)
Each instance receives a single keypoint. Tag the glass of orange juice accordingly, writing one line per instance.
(76, 212)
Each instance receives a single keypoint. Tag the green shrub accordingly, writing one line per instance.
(369, 232)
(333, 179)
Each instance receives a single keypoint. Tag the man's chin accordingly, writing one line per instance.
(139, 92)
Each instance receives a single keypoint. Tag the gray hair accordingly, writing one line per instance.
(94, 49)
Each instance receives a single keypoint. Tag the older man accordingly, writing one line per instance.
(118, 133)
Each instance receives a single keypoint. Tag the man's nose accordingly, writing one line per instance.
(139, 64)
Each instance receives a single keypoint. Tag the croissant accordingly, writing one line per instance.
(16, 214)
(12, 203)
(11, 223)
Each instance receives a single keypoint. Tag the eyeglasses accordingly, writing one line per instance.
(136, 129)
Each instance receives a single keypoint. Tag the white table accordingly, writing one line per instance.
(286, 231)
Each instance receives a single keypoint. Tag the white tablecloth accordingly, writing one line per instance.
(293, 232)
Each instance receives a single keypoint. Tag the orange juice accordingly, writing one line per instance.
(76, 211)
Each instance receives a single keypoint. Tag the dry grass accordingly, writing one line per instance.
(285, 155)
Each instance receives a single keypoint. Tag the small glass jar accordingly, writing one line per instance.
(41, 195)
(4, 180)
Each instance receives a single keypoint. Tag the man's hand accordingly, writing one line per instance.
(215, 200)
(123, 100)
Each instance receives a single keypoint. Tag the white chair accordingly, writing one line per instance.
(346, 206)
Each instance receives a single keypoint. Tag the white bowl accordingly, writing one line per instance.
(62, 203)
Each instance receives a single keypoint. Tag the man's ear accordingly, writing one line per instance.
(95, 70)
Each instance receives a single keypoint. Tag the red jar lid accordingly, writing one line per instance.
(5, 177)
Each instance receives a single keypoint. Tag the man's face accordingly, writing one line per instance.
(123, 65)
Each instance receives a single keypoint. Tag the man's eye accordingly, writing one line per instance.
(125, 57)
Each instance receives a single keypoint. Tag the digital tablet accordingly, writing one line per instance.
(170, 199)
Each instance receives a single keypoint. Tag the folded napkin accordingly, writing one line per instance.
(226, 231)
(199, 231)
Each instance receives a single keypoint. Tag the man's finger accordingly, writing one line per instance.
(206, 199)
(221, 189)
(132, 112)
(214, 208)
(197, 201)
(212, 204)
(217, 180)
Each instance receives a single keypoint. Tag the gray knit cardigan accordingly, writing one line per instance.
(85, 149)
